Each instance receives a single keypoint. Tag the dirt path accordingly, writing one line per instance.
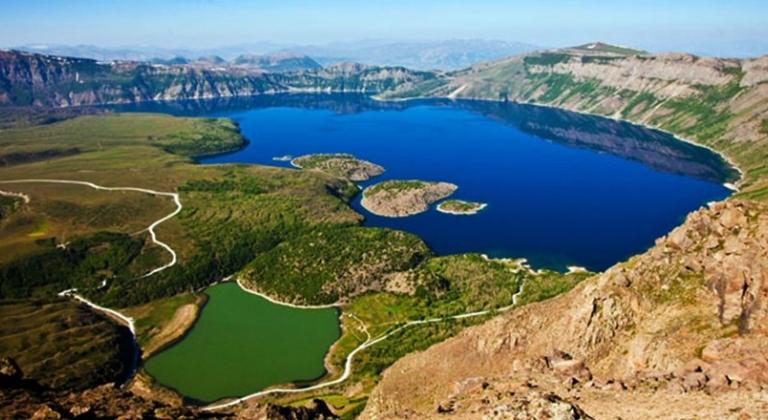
(15, 194)
(151, 228)
(370, 341)
(182, 317)
(72, 292)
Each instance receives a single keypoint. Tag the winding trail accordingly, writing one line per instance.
(370, 341)
(15, 194)
(72, 292)
(130, 322)
(151, 227)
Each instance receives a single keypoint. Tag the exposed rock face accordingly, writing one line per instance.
(35, 79)
(404, 198)
(756, 71)
(667, 74)
(10, 373)
(25, 398)
(318, 410)
(339, 164)
(675, 332)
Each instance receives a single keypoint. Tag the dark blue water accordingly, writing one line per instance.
(562, 189)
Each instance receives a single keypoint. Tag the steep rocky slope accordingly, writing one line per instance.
(676, 332)
(721, 103)
(34, 79)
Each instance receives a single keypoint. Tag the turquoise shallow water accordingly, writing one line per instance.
(243, 343)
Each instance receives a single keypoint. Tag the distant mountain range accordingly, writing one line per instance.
(433, 55)
(437, 55)
(46, 80)
(271, 63)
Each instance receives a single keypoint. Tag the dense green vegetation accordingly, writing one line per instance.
(25, 117)
(64, 345)
(83, 263)
(341, 165)
(231, 212)
(210, 137)
(232, 219)
(546, 59)
(548, 285)
(184, 136)
(608, 48)
(395, 186)
(329, 264)
(8, 205)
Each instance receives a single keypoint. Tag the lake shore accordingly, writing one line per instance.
(733, 186)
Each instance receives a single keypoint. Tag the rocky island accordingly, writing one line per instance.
(401, 198)
(460, 207)
(339, 164)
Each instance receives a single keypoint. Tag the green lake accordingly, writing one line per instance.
(243, 343)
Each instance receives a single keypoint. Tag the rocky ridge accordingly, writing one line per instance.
(678, 330)
(41, 80)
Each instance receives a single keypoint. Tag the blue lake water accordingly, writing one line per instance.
(562, 188)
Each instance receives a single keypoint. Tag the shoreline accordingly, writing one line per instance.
(172, 342)
(462, 213)
(277, 302)
(426, 208)
(370, 341)
(730, 185)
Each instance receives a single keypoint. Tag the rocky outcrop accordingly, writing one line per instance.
(339, 164)
(677, 331)
(10, 372)
(317, 410)
(404, 198)
(41, 80)
(671, 74)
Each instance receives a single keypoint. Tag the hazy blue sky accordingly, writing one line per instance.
(732, 27)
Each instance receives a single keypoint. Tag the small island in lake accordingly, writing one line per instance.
(398, 198)
(460, 207)
(339, 164)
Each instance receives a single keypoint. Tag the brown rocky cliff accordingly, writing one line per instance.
(677, 331)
